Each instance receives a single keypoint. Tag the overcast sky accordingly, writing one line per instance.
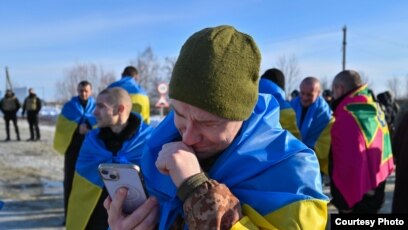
(42, 38)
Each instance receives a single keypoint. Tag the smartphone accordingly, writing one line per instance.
(116, 176)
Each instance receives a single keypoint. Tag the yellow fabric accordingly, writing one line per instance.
(288, 121)
(141, 105)
(304, 214)
(244, 223)
(322, 147)
(63, 134)
(82, 201)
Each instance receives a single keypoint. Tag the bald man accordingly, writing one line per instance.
(361, 156)
(119, 138)
(314, 119)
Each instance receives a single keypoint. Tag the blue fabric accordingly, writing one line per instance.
(93, 153)
(317, 118)
(265, 166)
(269, 87)
(74, 111)
(129, 84)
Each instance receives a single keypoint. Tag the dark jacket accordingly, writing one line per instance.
(400, 148)
(9, 105)
(32, 104)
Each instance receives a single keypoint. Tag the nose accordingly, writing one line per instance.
(191, 135)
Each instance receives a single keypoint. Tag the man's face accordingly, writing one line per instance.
(106, 115)
(308, 94)
(84, 92)
(337, 90)
(206, 133)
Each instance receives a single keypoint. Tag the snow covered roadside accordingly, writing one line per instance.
(30, 181)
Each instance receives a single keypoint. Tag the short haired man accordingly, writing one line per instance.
(140, 100)
(32, 105)
(361, 156)
(9, 105)
(221, 159)
(314, 119)
(119, 138)
(75, 120)
(273, 82)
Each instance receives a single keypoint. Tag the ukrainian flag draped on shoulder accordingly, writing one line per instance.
(287, 116)
(140, 100)
(71, 116)
(274, 175)
(359, 168)
(87, 184)
(315, 129)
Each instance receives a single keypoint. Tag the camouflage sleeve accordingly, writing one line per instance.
(211, 204)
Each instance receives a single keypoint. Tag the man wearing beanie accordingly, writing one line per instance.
(273, 82)
(220, 159)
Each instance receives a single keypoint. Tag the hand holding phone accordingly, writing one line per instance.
(116, 176)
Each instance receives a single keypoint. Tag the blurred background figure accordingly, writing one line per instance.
(400, 150)
(32, 104)
(273, 82)
(75, 120)
(140, 100)
(361, 157)
(390, 108)
(327, 95)
(314, 120)
(294, 94)
(9, 106)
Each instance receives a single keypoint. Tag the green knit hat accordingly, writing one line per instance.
(218, 71)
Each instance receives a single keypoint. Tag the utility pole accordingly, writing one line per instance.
(8, 82)
(344, 46)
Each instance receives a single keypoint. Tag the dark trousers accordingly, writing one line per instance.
(32, 118)
(71, 156)
(371, 203)
(13, 118)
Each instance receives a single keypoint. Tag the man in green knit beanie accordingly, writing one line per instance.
(220, 159)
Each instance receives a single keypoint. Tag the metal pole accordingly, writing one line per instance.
(344, 47)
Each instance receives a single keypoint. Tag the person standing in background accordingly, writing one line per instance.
(75, 120)
(140, 100)
(400, 151)
(361, 157)
(273, 82)
(32, 105)
(9, 105)
(119, 138)
(314, 120)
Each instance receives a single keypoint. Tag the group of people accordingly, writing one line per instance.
(10, 105)
(232, 152)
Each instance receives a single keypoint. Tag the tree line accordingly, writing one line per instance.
(154, 71)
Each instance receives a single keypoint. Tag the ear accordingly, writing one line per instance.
(121, 108)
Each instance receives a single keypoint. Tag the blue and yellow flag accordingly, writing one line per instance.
(274, 175)
(140, 100)
(287, 116)
(87, 185)
(315, 129)
(72, 115)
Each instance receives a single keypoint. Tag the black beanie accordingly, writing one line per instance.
(276, 76)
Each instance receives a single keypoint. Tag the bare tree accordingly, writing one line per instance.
(96, 75)
(406, 87)
(290, 68)
(149, 71)
(393, 84)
